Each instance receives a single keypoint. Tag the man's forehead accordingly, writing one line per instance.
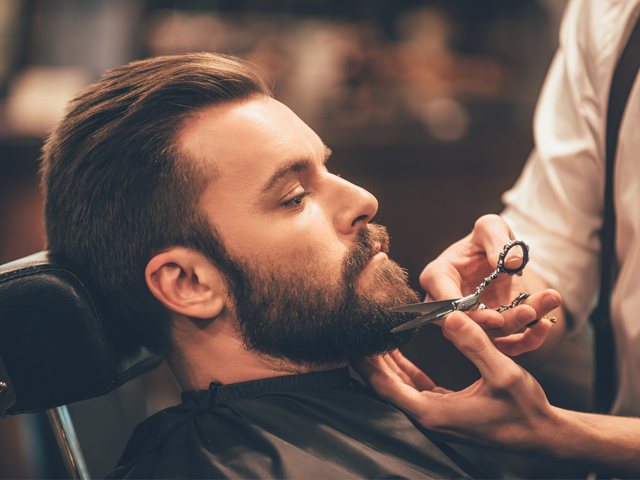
(260, 124)
(244, 145)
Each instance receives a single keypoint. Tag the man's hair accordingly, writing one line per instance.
(118, 190)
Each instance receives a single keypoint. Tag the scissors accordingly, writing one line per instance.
(433, 311)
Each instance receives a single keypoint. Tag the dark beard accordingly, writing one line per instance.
(308, 319)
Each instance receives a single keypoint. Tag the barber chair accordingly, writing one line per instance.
(58, 347)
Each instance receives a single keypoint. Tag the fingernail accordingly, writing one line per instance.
(525, 317)
(514, 261)
(456, 322)
(550, 301)
(514, 257)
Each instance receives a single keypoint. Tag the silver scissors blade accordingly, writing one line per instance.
(444, 308)
(426, 307)
(437, 314)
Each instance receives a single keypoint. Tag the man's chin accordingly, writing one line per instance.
(321, 323)
(365, 332)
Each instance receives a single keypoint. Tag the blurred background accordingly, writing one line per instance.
(428, 104)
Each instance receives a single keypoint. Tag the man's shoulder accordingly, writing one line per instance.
(150, 433)
(313, 433)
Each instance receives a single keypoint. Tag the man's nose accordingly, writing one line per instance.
(355, 207)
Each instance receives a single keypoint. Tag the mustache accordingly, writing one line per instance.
(370, 240)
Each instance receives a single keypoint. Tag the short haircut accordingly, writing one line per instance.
(117, 189)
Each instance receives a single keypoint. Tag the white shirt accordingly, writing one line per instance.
(557, 204)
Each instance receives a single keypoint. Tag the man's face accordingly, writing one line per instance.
(314, 270)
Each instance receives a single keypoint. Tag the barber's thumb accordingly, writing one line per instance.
(466, 335)
(472, 341)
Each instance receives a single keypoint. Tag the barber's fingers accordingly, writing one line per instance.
(374, 367)
(441, 281)
(376, 372)
(527, 341)
(393, 367)
(474, 343)
(396, 366)
(406, 371)
(515, 319)
(463, 261)
(491, 233)
(488, 319)
(419, 379)
(544, 302)
(512, 320)
(420, 405)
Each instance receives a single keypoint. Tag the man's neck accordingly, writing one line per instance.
(215, 353)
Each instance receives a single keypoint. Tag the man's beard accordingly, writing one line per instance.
(305, 317)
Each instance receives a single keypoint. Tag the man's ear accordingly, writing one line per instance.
(186, 283)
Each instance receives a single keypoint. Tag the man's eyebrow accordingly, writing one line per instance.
(284, 171)
(289, 168)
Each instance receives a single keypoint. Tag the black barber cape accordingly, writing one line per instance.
(316, 425)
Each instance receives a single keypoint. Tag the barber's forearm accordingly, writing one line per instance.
(606, 443)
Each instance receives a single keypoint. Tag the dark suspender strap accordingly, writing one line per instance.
(605, 372)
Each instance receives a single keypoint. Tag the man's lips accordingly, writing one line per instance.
(377, 254)
(377, 247)
(369, 251)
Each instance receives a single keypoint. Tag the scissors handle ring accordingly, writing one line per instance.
(505, 251)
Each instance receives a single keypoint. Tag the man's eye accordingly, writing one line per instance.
(295, 201)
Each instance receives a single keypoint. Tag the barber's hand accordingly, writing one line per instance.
(506, 408)
(459, 270)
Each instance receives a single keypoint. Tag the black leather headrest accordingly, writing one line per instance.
(57, 345)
